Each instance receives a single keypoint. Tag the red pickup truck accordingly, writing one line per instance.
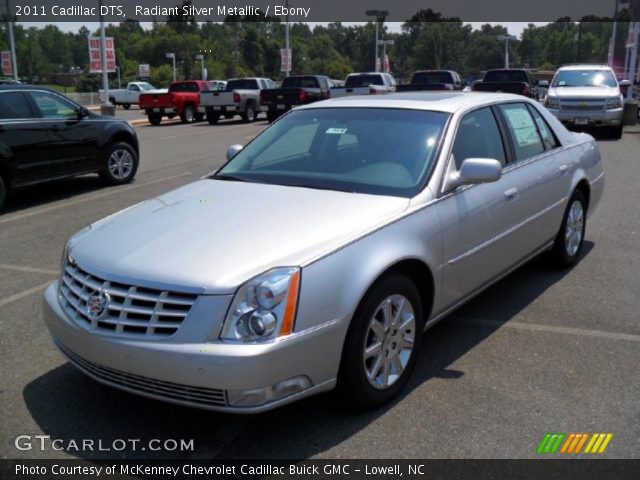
(183, 99)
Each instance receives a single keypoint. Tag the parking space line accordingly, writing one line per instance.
(536, 327)
(90, 197)
(19, 268)
(24, 293)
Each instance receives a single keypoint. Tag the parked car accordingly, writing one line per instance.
(375, 83)
(130, 95)
(587, 95)
(433, 80)
(240, 97)
(295, 90)
(182, 98)
(508, 80)
(46, 136)
(317, 256)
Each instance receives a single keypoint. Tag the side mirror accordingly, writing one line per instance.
(474, 171)
(543, 84)
(625, 83)
(82, 112)
(233, 150)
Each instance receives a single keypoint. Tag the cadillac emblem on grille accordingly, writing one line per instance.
(98, 305)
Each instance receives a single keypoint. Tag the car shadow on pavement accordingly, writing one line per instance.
(47, 192)
(68, 405)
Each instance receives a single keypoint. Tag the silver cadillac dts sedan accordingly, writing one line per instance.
(318, 254)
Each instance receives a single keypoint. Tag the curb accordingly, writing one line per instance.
(144, 121)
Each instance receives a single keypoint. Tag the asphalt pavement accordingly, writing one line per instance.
(541, 351)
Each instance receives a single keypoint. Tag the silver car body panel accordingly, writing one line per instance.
(210, 237)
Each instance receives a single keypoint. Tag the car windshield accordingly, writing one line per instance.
(363, 81)
(380, 151)
(505, 76)
(432, 77)
(584, 78)
(242, 84)
(146, 86)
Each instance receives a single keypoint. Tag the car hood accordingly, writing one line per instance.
(584, 92)
(211, 236)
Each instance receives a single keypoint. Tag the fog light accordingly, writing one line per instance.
(260, 396)
(615, 122)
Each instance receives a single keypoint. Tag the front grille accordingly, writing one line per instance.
(167, 390)
(129, 310)
(583, 105)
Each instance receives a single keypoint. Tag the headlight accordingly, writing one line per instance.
(264, 308)
(552, 102)
(615, 102)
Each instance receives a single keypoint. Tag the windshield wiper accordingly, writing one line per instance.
(318, 187)
(230, 178)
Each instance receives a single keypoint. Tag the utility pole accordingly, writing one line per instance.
(12, 43)
(578, 53)
(286, 42)
(379, 16)
(106, 108)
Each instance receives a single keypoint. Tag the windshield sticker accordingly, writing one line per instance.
(336, 131)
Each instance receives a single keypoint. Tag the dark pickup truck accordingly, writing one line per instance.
(432, 80)
(508, 81)
(295, 90)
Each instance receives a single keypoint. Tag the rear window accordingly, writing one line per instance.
(432, 77)
(242, 84)
(363, 81)
(184, 87)
(300, 82)
(506, 76)
(14, 105)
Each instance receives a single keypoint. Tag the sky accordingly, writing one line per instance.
(514, 28)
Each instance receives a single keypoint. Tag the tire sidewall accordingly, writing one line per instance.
(352, 380)
(188, 115)
(3, 192)
(106, 173)
(249, 113)
(560, 246)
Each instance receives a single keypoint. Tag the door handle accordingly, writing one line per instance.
(511, 194)
(563, 168)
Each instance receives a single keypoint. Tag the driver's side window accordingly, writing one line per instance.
(134, 88)
(478, 136)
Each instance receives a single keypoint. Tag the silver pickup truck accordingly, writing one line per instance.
(375, 83)
(240, 97)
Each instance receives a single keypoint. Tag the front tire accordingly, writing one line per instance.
(154, 119)
(3, 192)
(126, 106)
(272, 117)
(213, 118)
(616, 132)
(382, 343)
(570, 239)
(121, 164)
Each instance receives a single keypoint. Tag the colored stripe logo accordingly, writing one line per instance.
(574, 443)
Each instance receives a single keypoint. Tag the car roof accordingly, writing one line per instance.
(585, 66)
(23, 86)
(448, 102)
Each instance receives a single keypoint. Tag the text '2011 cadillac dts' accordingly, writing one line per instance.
(318, 254)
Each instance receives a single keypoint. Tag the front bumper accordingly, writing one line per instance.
(199, 374)
(596, 118)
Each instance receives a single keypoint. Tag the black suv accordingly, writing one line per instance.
(45, 136)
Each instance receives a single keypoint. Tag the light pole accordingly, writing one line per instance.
(106, 108)
(286, 42)
(12, 43)
(506, 39)
(384, 44)
(614, 33)
(172, 56)
(379, 16)
(203, 74)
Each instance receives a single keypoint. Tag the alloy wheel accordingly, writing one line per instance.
(574, 228)
(120, 164)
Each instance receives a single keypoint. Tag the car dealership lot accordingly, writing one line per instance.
(541, 351)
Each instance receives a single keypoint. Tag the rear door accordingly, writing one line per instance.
(24, 139)
(74, 140)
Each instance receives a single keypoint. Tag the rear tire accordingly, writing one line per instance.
(272, 117)
(120, 164)
(188, 115)
(154, 119)
(213, 118)
(249, 114)
(3, 192)
(382, 342)
(570, 239)
(126, 106)
(199, 117)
